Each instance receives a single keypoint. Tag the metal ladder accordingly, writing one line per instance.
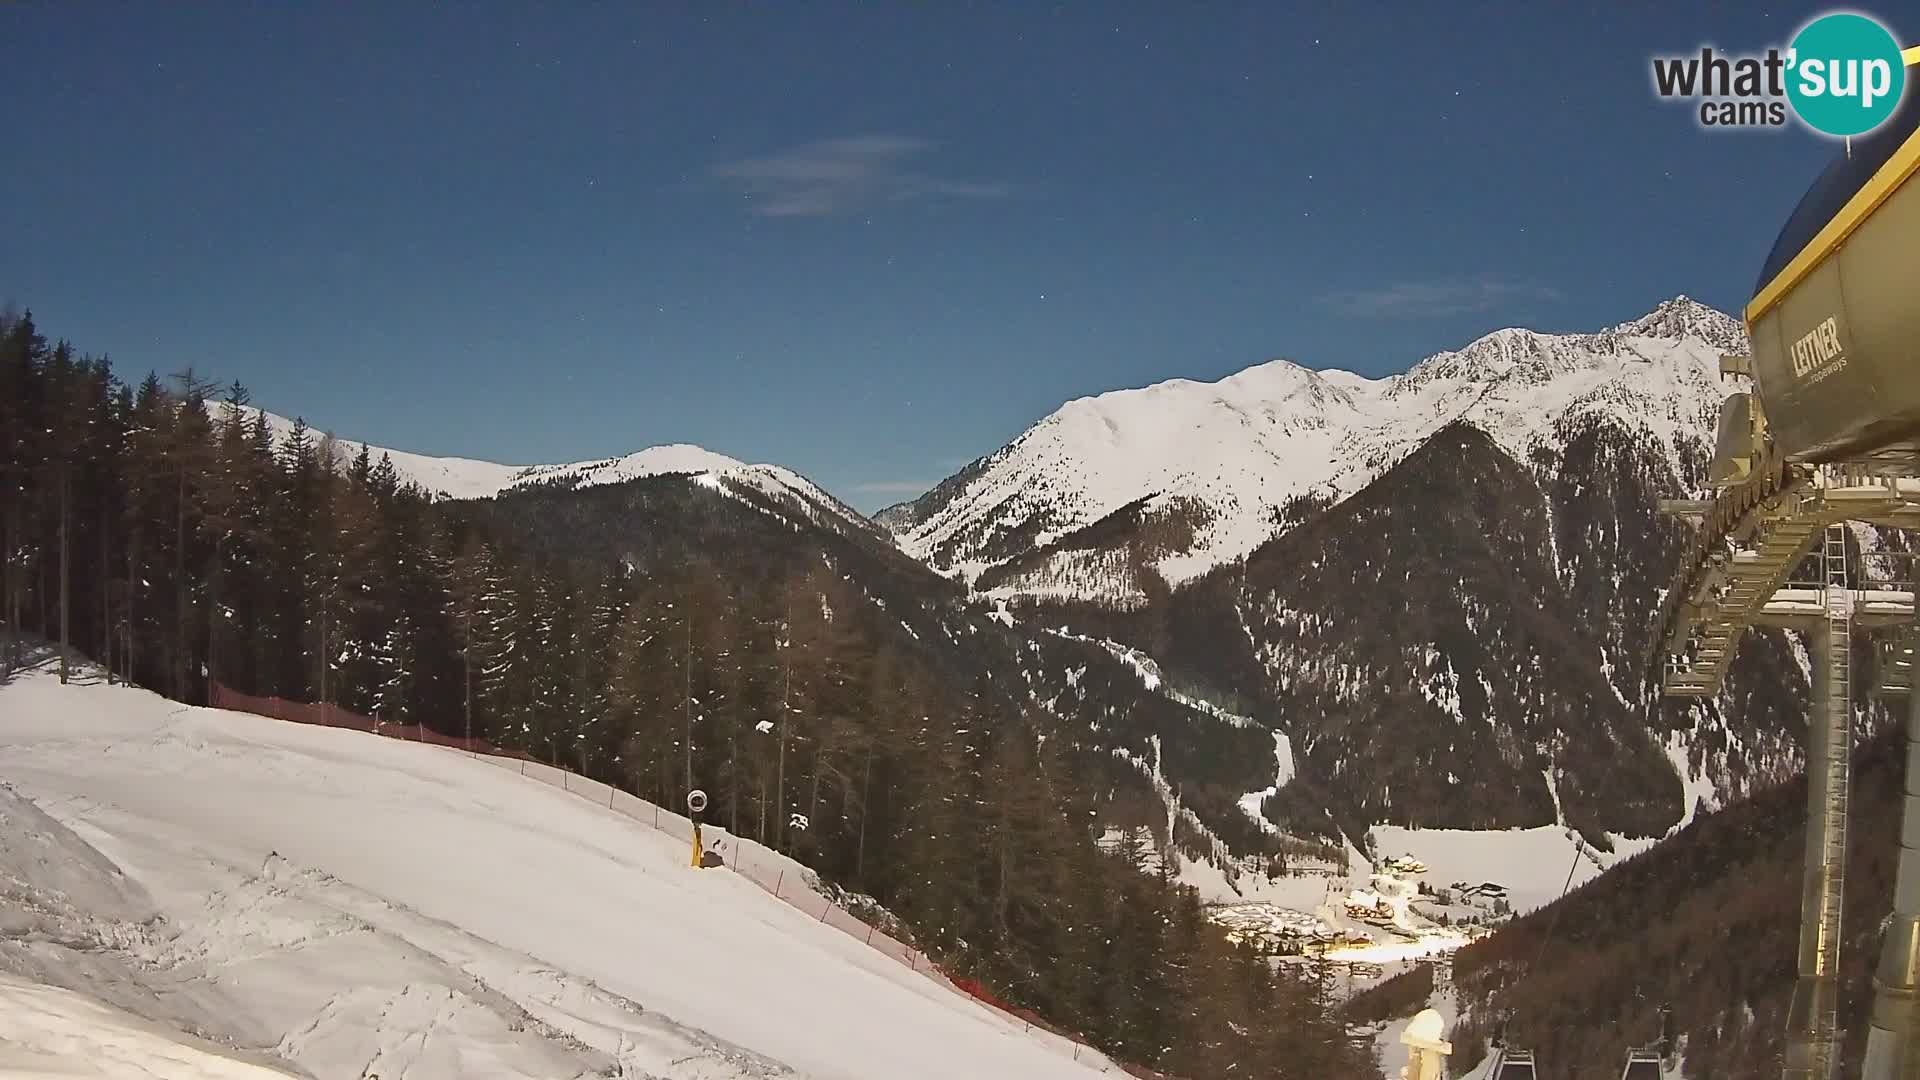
(1836, 713)
(1839, 720)
(1512, 1065)
(1643, 1065)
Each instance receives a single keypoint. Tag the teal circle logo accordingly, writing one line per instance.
(1845, 76)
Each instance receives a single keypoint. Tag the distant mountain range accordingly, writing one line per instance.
(1182, 476)
(1296, 605)
(1435, 586)
(465, 478)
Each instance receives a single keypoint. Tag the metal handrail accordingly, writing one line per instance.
(1730, 508)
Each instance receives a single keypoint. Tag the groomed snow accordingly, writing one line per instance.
(53, 1033)
(348, 902)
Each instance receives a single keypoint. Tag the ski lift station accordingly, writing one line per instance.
(1822, 435)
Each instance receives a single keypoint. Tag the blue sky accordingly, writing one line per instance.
(869, 242)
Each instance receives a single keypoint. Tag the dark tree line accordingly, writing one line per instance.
(1706, 923)
(176, 537)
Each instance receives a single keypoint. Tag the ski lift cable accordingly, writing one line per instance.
(1553, 923)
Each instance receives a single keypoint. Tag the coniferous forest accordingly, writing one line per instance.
(1705, 924)
(652, 636)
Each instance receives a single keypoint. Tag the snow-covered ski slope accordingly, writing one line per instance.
(49, 1032)
(353, 905)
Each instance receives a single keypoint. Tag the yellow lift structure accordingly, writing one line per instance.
(1826, 434)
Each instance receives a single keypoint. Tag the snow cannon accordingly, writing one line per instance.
(1835, 316)
(697, 805)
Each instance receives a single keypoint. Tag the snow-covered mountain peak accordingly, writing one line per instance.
(672, 459)
(1260, 384)
(1223, 457)
(1263, 385)
(1535, 356)
(1683, 318)
(1352, 382)
(465, 478)
(653, 461)
(1488, 357)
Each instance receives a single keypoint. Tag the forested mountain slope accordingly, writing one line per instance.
(834, 699)
(1443, 599)
(1461, 645)
(1707, 922)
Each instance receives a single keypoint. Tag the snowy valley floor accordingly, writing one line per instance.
(192, 893)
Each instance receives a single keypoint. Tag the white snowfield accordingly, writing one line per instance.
(343, 906)
(1242, 446)
(1533, 865)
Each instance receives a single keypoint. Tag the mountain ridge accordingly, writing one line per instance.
(1371, 619)
(1241, 447)
(472, 478)
(1585, 431)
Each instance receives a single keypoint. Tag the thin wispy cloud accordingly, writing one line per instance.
(846, 175)
(1430, 299)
